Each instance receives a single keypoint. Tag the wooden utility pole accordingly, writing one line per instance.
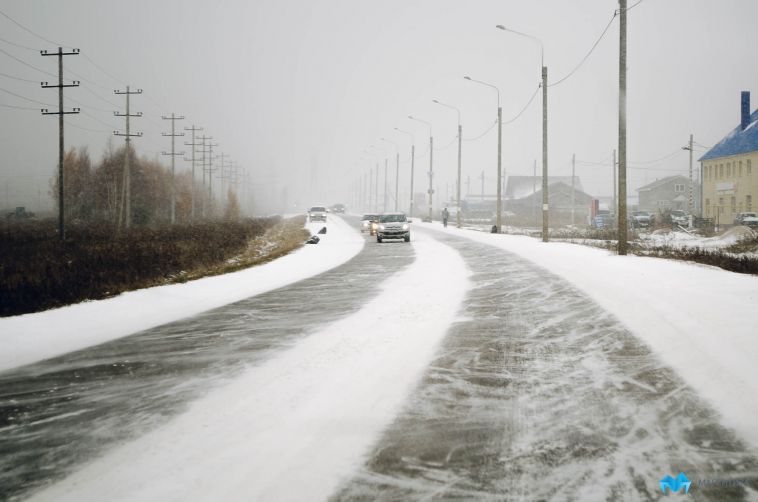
(622, 219)
(173, 118)
(125, 208)
(193, 129)
(61, 148)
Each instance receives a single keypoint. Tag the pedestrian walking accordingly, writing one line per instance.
(445, 216)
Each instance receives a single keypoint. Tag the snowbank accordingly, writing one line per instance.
(294, 427)
(32, 337)
(700, 320)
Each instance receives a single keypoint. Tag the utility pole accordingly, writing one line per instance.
(431, 175)
(499, 163)
(210, 177)
(613, 191)
(622, 230)
(384, 207)
(544, 157)
(173, 118)
(482, 178)
(376, 189)
(397, 180)
(193, 129)
(691, 195)
(573, 170)
(222, 176)
(127, 191)
(468, 186)
(61, 147)
(534, 191)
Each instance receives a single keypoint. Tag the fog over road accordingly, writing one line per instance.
(535, 393)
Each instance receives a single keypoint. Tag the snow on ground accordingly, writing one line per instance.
(700, 320)
(680, 239)
(294, 427)
(32, 337)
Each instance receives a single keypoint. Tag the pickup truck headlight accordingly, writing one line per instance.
(381, 227)
(405, 226)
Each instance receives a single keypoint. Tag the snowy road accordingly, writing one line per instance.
(521, 388)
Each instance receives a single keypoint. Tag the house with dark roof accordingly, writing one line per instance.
(730, 184)
(665, 194)
(560, 198)
(519, 187)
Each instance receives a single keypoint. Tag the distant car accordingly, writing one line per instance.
(369, 223)
(338, 208)
(679, 217)
(641, 219)
(393, 226)
(748, 219)
(317, 213)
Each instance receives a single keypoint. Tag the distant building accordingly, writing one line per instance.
(665, 194)
(729, 183)
(519, 187)
(559, 203)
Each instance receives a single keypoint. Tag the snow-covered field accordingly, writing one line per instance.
(700, 320)
(681, 239)
(28, 338)
(296, 426)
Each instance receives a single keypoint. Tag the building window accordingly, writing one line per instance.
(734, 204)
(708, 207)
(728, 169)
(721, 171)
(679, 188)
(749, 168)
(740, 169)
(748, 203)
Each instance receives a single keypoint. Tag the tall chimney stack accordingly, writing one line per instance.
(745, 109)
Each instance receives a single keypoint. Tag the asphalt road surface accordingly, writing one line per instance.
(536, 393)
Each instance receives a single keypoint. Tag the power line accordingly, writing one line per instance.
(524, 108)
(18, 45)
(590, 52)
(19, 78)
(27, 29)
(19, 107)
(23, 97)
(27, 64)
(483, 134)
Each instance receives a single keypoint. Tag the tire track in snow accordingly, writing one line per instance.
(293, 427)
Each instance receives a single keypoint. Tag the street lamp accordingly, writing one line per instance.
(544, 128)
(384, 152)
(431, 161)
(375, 180)
(397, 170)
(413, 161)
(499, 216)
(460, 137)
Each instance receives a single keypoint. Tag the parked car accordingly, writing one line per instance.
(317, 213)
(641, 219)
(748, 219)
(367, 221)
(679, 217)
(393, 226)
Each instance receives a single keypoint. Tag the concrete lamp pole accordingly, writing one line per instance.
(544, 128)
(500, 174)
(413, 161)
(383, 153)
(431, 162)
(460, 138)
(397, 171)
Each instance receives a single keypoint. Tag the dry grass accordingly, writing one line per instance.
(277, 241)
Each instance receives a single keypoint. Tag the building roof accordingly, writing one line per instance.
(736, 142)
(662, 181)
(519, 187)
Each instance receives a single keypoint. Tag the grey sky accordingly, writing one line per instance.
(286, 85)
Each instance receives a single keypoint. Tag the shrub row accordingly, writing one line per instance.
(38, 271)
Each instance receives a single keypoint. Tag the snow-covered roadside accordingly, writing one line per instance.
(32, 337)
(700, 320)
(294, 427)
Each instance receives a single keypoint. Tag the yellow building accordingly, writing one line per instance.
(730, 170)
